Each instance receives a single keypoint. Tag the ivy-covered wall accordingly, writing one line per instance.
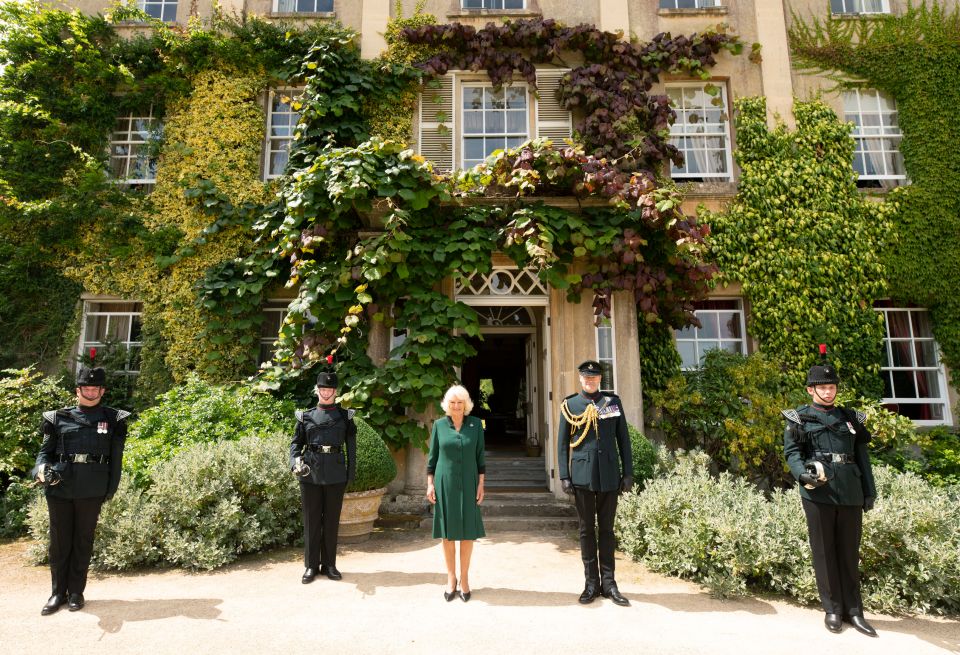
(805, 244)
(914, 58)
(66, 227)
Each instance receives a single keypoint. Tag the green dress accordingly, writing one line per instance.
(456, 461)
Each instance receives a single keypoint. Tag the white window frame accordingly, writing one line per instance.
(461, 118)
(491, 5)
(131, 159)
(164, 5)
(684, 129)
(128, 343)
(863, 136)
(604, 332)
(279, 306)
(698, 4)
(293, 10)
(696, 339)
(858, 8)
(276, 144)
(913, 340)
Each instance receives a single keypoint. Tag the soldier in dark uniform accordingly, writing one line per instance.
(79, 464)
(317, 457)
(826, 449)
(593, 442)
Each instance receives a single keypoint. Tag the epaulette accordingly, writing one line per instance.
(122, 414)
(573, 395)
(51, 416)
(792, 416)
(299, 415)
(350, 413)
(861, 416)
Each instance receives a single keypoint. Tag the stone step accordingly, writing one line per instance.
(552, 508)
(494, 524)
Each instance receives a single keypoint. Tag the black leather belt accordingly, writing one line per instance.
(85, 458)
(323, 449)
(835, 458)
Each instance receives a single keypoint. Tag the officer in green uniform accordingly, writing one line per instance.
(592, 444)
(79, 465)
(317, 457)
(826, 449)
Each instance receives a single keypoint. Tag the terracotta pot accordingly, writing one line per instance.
(359, 511)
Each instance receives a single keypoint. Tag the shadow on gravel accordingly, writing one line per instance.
(943, 634)
(704, 603)
(112, 614)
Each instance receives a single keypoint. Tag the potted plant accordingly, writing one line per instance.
(375, 469)
(533, 446)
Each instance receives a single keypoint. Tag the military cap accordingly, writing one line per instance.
(589, 367)
(91, 377)
(327, 379)
(822, 374)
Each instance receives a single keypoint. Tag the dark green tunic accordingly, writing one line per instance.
(456, 461)
(819, 432)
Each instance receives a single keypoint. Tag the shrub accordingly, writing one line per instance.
(644, 456)
(14, 508)
(723, 533)
(199, 412)
(219, 500)
(375, 465)
(24, 395)
(207, 504)
(730, 408)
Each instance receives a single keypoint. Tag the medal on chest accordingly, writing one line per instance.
(102, 427)
(609, 411)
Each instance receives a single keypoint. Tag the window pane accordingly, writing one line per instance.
(472, 98)
(902, 353)
(516, 121)
(473, 122)
(928, 384)
(688, 354)
(711, 328)
(903, 386)
(921, 324)
(926, 352)
(496, 122)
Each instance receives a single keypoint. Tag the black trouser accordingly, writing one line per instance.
(72, 525)
(321, 522)
(835, 541)
(596, 511)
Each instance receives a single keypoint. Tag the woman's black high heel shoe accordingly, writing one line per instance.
(450, 595)
(464, 595)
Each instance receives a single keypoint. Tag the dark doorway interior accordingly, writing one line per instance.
(496, 380)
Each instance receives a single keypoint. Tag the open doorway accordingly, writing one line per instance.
(497, 379)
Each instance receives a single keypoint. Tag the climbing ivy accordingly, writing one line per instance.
(805, 244)
(615, 114)
(913, 57)
(65, 227)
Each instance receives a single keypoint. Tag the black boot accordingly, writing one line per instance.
(861, 625)
(75, 602)
(308, 575)
(331, 572)
(833, 622)
(614, 594)
(53, 604)
(590, 593)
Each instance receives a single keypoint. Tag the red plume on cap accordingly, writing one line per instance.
(823, 350)
(93, 354)
(329, 359)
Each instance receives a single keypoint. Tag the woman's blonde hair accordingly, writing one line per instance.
(457, 391)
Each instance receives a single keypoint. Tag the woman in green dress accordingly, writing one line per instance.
(455, 472)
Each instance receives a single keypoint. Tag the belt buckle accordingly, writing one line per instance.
(80, 458)
(326, 449)
(836, 458)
